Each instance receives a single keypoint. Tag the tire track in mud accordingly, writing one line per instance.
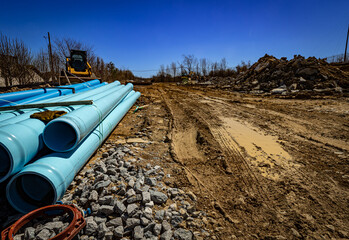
(242, 173)
(318, 200)
(307, 198)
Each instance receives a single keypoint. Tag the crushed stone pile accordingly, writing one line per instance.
(282, 76)
(126, 202)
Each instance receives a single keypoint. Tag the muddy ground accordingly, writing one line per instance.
(261, 168)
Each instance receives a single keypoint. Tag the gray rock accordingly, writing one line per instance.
(131, 183)
(132, 199)
(150, 204)
(131, 209)
(29, 233)
(106, 200)
(108, 235)
(166, 235)
(105, 155)
(149, 235)
(165, 226)
(146, 197)
(158, 197)
(115, 222)
(144, 221)
(132, 222)
(119, 207)
(95, 207)
(138, 233)
(102, 184)
(159, 215)
(102, 230)
(91, 226)
(44, 234)
(106, 209)
(278, 90)
(99, 220)
(173, 192)
(122, 190)
(93, 195)
(183, 234)
(55, 226)
(101, 167)
(157, 229)
(119, 231)
(176, 220)
(18, 236)
(130, 192)
(148, 212)
(150, 181)
(111, 172)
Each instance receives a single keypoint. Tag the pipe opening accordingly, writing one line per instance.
(6, 162)
(60, 136)
(30, 191)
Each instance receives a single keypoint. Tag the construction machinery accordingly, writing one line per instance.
(77, 68)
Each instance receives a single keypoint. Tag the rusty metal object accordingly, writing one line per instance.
(77, 223)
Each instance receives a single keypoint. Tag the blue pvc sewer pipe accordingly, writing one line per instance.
(65, 133)
(21, 141)
(7, 98)
(9, 115)
(45, 181)
(56, 92)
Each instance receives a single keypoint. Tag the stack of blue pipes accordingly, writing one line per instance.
(73, 138)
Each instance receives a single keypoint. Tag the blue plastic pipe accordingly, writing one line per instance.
(83, 85)
(21, 141)
(9, 115)
(55, 92)
(7, 98)
(65, 133)
(45, 181)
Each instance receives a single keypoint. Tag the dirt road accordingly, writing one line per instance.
(261, 168)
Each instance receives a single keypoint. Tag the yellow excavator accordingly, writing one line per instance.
(77, 68)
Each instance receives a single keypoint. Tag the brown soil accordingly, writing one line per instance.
(261, 168)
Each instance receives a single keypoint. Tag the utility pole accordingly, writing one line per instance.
(346, 46)
(50, 55)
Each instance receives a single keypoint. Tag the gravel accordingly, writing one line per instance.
(125, 201)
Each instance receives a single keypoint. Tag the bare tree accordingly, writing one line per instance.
(223, 64)
(204, 66)
(6, 60)
(188, 62)
(168, 70)
(197, 68)
(23, 60)
(15, 61)
(182, 69)
(63, 46)
(174, 69)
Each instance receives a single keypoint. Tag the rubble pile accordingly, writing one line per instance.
(270, 74)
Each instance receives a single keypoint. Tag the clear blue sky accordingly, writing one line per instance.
(141, 35)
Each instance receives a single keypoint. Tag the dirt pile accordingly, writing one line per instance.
(270, 74)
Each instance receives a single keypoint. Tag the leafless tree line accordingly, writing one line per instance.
(13, 55)
(199, 69)
(19, 65)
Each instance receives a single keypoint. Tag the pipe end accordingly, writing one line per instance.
(6, 165)
(61, 135)
(30, 190)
